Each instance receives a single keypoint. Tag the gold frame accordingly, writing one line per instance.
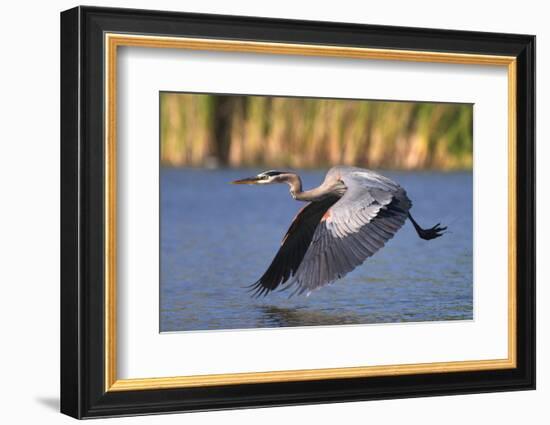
(113, 41)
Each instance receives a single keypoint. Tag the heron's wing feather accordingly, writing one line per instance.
(293, 247)
(371, 211)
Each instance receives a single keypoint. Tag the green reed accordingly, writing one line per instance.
(209, 130)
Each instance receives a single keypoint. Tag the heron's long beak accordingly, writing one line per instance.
(248, 180)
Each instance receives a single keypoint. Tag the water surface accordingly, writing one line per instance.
(217, 238)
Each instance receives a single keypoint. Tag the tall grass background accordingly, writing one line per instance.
(200, 130)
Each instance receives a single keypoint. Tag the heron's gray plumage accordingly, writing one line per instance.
(370, 212)
(350, 216)
(294, 246)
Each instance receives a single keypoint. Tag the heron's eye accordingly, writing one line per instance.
(264, 177)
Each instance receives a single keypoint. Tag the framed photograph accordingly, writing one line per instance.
(378, 240)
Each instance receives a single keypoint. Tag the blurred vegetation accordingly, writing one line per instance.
(211, 130)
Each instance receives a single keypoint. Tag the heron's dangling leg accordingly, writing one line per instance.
(427, 234)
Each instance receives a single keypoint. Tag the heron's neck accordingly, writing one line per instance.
(295, 183)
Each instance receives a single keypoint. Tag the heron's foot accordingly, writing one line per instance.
(432, 233)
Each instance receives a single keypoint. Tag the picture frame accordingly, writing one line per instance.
(90, 40)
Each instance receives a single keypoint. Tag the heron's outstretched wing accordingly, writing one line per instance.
(293, 247)
(371, 211)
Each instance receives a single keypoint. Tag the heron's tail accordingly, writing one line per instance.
(427, 234)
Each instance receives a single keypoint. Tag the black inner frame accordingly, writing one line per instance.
(82, 212)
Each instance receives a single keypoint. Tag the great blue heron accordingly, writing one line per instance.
(349, 217)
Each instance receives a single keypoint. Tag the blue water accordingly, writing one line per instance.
(217, 238)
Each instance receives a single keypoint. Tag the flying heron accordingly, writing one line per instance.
(348, 218)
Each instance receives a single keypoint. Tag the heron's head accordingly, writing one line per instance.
(267, 177)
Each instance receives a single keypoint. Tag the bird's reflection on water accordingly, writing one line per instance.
(209, 254)
(273, 316)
